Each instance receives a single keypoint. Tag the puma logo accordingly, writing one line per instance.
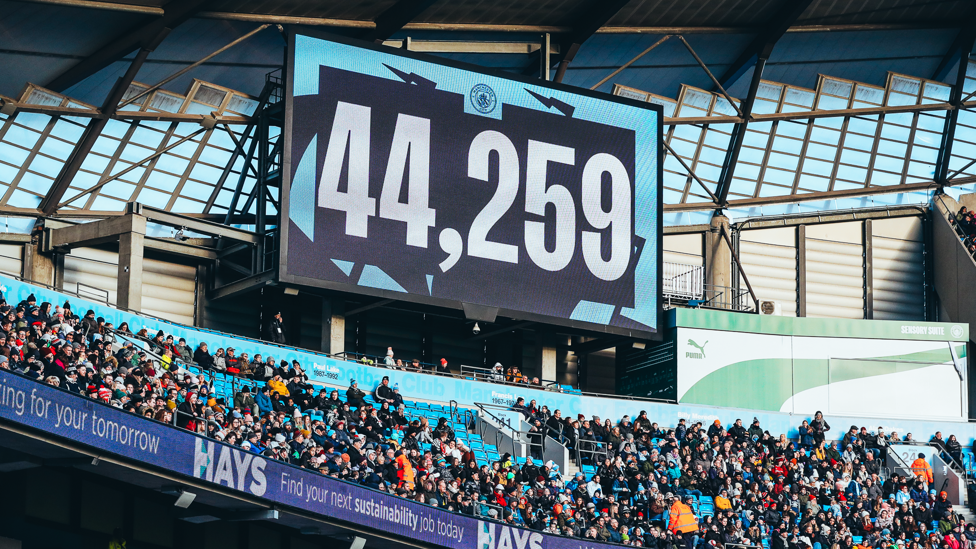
(701, 348)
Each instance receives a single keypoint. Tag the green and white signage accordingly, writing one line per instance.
(841, 367)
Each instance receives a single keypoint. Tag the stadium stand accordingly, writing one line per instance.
(640, 483)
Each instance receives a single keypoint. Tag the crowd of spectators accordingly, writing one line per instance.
(814, 492)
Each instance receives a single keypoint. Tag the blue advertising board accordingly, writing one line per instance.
(107, 429)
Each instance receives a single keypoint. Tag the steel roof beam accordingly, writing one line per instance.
(762, 45)
(394, 18)
(585, 26)
(963, 44)
(147, 36)
(955, 99)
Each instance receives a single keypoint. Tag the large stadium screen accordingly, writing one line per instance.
(419, 179)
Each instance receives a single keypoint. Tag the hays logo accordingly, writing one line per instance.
(234, 468)
(696, 355)
(496, 536)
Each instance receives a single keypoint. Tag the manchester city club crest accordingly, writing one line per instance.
(483, 98)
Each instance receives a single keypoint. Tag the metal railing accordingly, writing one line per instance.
(683, 281)
(91, 292)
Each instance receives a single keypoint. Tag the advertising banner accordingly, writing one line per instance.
(108, 429)
(412, 178)
(835, 375)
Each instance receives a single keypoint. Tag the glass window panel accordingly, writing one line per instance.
(172, 163)
(684, 149)
(883, 178)
(8, 173)
(852, 173)
(150, 196)
(166, 102)
(824, 136)
(19, 135)
(717, 139)
(224, 197)
(792, 129)
(782, 177)
(41, 97)
(931, 122)
(57, 148)
(85, 180)
(769, 189)
(928, 138)
(847, 185)
(899, 99)
(116, 128)
(956, 163)
(147, 137)
(860, 142)
(210, 96)
(755, 139)
(35, 183)
(184, 205)
(68, 131)
(13, 155)
(106, 145)
(135, 153)
(897, 133)
(707, 172)
(750, 154)
(163, 181)
(937, 93)
(747, 170)
(32, 120)
(861, 126)
(900, 118)
(814, 183)
(95, 163)
(925, 154)
(670, 197)
(834, 122)
(215, 156)
(902, 84)
(670, 163)
(764, 107)
(828, 103)
(196, 189)
(785, 144)
(46, 166)
(185, 149)
(836, 87)
(891, 164)
(818, 167)
(823, 152)
(21, 199)
(921, 170)
(783, 161)
(866, 94)
(797, 96)
(205, 173)
(742, 187)
(104, 203)
(198, 108)
(118, 189)
(849, 156)
(688, 132)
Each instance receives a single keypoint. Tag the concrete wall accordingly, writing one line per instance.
(955, 271)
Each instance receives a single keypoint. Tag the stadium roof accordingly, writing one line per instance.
(790, 132)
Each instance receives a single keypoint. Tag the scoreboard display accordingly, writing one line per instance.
(419, 179)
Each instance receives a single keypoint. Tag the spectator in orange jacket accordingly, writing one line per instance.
(922, 469)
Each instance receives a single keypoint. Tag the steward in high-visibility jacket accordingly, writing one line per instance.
(922, 469)
(682, 518)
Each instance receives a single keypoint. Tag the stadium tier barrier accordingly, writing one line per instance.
(104, 428)
(335, 372)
